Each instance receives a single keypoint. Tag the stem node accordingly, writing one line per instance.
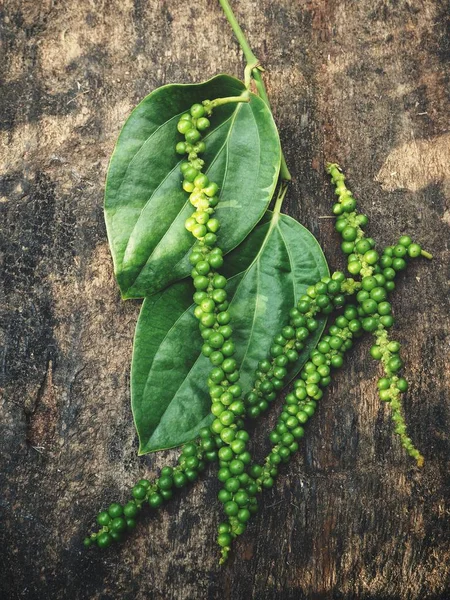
(252, 71)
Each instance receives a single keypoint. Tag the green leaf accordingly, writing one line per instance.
(267, 274)
(145, 205)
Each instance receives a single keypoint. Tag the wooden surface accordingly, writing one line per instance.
(363, 83)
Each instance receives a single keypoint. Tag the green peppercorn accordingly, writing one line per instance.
(103, 518)
(197, 111)
(138, 492)
(104, 540)
(414, 250)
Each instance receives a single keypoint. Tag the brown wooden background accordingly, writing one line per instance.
(360, 82)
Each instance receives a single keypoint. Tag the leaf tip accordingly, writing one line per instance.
(141, 451)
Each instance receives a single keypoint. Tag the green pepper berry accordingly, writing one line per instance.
(104, 540)
(201, 282)
(199, 147)
(155, 500)
(241, 498)
(165, 482)
(227, 418)
(395, 363)
(378, 294)
(116, 509)
(384, 308)
(281, 361)
(349, 233)
(224, 475)
(354, 267)
(229, 365)
(224, 496)
(199, 231)
(217, 375)
(216, 358)
(138, 492)
(347, 247)
(130, 510)
(116, 535)
(208, 319)
(237, 407)
(188, 186)
(189, 449)
(362, 246)
(213, 225)
(376, 352)
(190, 174)
(184, 126)
(103, 518)
(385, 395)
(414, 250)
(207, 350)
(231, 509)
(389, 273)
(179, 479)
(216, 340)
(370, 323)
(219, 295)
(210, 239)
(349, 204)
(400, 250)
(237, 446)
(402, 384)
(215, 261)
(192, 474)
(336, 361)
(383, 383)
(393, 346)
(211, 190)
(203, 268)
(386, 320)
(203, 123)
(236, 467)
(197, 111)
(223, 318)
(207, 305)
(217, 408)
(219, 282)
(398, 264)
(371, 257)
(225, 454)
(385, 261)
(118, 524)
(233, 377)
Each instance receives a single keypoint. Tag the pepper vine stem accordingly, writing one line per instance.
(252, 70)
(244, 97)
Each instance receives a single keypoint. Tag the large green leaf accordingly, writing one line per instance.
(267, 274)
(145, 205)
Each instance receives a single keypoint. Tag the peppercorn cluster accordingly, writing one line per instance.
(227, 404)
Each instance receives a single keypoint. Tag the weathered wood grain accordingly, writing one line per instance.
(363, 83)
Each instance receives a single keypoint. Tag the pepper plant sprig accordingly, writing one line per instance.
(215, 349)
